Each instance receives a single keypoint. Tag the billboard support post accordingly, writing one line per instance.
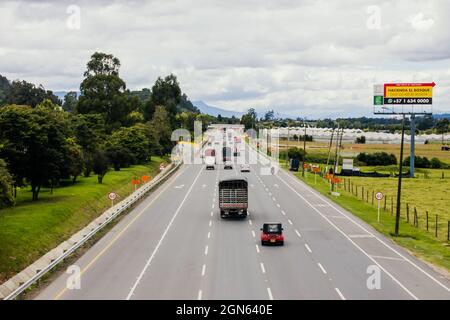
(412, 146)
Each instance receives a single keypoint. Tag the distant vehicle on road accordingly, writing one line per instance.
(272, 233)
(228, 165)
(233, 198)
(210, 162)
(226, 154)
(245, 167)
(294, 164)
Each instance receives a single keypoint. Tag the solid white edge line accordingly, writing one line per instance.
(147, 264)
(349, 239)
(377, 238)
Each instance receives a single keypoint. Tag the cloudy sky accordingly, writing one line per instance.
(313, 58)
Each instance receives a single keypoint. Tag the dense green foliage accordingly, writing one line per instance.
(6, 196)
(376, 159)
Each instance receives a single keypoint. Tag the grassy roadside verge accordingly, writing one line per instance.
(419, 242)
(31, 229)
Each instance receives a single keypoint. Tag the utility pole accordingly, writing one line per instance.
(336, 155)
(329, 150)
(412, 146)
(399, 187)
(304, 151)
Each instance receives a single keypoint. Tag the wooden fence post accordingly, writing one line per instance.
(385, 199)
(427, 219)
(392, 205)
(373, 195)
(407, 212)
(357, 191)
(436, 228)
(367, 196)
(448, 230)
(416, 221)
(362, 192)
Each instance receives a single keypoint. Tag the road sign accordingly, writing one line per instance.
(379, 196)
(112, 195)
(408, 93)
(378, 100)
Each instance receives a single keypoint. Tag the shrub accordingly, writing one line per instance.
(377, 159)
(360, 140)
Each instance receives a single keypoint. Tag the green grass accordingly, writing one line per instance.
(425, 192)
(31, 229)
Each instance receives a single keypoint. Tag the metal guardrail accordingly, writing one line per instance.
(121, 207)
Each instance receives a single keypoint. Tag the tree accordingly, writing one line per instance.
(25, 93)
(133, 139)
(6, 197)
(100, 164)
(360, 140)
(34, 144)
(70, 101)
(4, 89)
(104, 92)
(165, 92)
(249, 119)
(89, 132)
(442, 127)
(160, 124)
(296, 153)
(73, 160)
(269, 116)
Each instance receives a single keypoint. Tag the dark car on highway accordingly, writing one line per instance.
(272, 233)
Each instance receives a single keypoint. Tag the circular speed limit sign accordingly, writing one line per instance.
(112, 196)
(379, 196)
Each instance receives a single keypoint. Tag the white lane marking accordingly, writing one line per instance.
(308, 248)
(340, 293)
(270, 193)
(179, 187)
(206, 250)
(253, 234)
(389, 258)
(210, 223)
(267, 190)
(276, 186)
(199, 297)
(263, 270)
(284, 213)
(203, 270)
(278, 205)
(290, 222)
(360, 236)
(212, 213)
(212, 207)
(298, 233)
(250, 221)
(203, 186)
(257, 248)
(322, 268)
(377, 238)
(147, 264)
(357, 246)
(209, 235)
(269, 292)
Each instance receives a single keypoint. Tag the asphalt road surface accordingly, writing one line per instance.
(174, 245)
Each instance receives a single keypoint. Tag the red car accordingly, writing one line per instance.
(272, 233)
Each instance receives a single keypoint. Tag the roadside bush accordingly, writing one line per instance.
(376, 159)
(360, 140)
(296, 153)
(419, 162)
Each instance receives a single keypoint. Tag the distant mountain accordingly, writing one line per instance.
(215, 111)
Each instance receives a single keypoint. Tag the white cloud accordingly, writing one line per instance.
(312, 57)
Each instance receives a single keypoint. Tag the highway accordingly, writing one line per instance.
(174, 245)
